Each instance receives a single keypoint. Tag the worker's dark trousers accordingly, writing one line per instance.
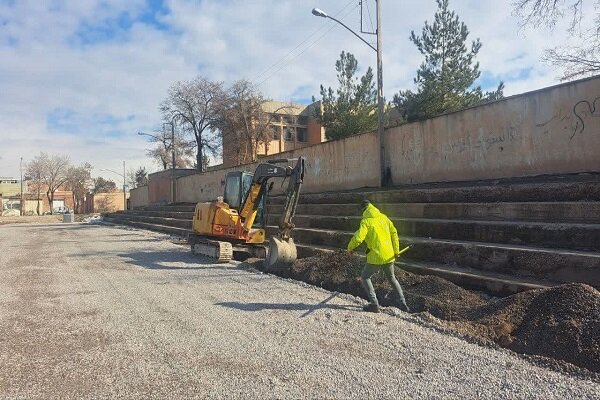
(388, 269)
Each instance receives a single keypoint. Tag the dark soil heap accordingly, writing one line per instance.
(562, 322)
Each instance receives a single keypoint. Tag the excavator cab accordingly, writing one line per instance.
(237, 188)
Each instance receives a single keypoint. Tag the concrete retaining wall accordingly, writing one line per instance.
(550, 131)
(106, 202)
(338, 165)
(138, 197)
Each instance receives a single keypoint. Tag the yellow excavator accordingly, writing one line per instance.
(237, 221)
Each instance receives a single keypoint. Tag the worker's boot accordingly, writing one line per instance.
(371, 307)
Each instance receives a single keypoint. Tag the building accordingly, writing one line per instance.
(10, 195)
(11, 187)
(291, 126)
(106, 202)
(10, 198)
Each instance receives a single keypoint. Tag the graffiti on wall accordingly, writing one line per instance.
(413, 149)
(482, 142)
(582, 110)
(573, 121)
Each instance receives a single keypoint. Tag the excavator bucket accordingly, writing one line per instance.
(281, 253)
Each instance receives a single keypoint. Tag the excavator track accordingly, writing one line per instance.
(215, 249)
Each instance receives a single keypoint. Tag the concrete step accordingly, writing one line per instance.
(181, 232)
(472, 278)
(172, 222)
(466, 192)
(574, 212)
(165, 214)
(526, 262)
(569, 236)
(498, 284)
(178, 207)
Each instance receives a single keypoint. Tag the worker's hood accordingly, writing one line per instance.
(371, 212)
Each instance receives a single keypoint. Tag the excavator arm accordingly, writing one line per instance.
(282, 250)
(261, 177)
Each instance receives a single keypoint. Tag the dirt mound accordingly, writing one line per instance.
(341, 271)
(562, 322)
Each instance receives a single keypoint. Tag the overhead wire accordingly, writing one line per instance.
(300, 44)
(370, 18)
(333, 25)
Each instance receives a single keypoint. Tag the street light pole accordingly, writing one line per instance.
(21, 201)
(173, 164)
(172, 143)
(173, 181)
(124, 185)
(380, 102)
(124, 195)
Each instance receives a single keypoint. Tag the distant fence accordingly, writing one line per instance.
(555, 130)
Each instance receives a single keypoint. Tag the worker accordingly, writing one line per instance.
(383, 247)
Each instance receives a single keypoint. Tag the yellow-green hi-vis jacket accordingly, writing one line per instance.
(380, 235)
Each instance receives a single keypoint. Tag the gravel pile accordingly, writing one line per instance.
(562, 322)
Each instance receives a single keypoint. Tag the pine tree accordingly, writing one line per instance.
(445, 79)
(352, 108)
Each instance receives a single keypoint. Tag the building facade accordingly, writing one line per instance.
(289, 126)
(106, 202)
(10, 198)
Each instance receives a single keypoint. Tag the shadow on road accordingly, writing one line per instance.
(160, 260)
(310, 308)
(54, 226)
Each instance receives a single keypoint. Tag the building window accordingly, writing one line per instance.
(288, 134)
(290, 120)
(276, 132)
(301, 134)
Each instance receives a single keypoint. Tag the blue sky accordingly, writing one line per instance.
(82, 77)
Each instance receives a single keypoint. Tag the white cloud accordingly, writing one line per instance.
(80, 57)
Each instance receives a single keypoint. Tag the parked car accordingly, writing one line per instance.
(9, 212)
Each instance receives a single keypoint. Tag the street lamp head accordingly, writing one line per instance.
(319, 13)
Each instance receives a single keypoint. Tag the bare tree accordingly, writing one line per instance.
(242, 121)
(103, 204)
(191, 104)
(579, 60)
(162, 153)
(53, 173)
(33, 174)
(78, 181)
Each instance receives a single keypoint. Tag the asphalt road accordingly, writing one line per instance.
(91, 311)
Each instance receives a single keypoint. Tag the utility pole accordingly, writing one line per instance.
(173, 144)
(173, 180)
(380, 102)
(21, 202)
(124, 195)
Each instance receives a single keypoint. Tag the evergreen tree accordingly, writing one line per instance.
(140, 177)
(352, 109)
(445, 79)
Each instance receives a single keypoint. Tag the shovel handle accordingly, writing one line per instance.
(403, 250)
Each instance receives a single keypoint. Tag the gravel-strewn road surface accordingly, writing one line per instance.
(92, 311)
